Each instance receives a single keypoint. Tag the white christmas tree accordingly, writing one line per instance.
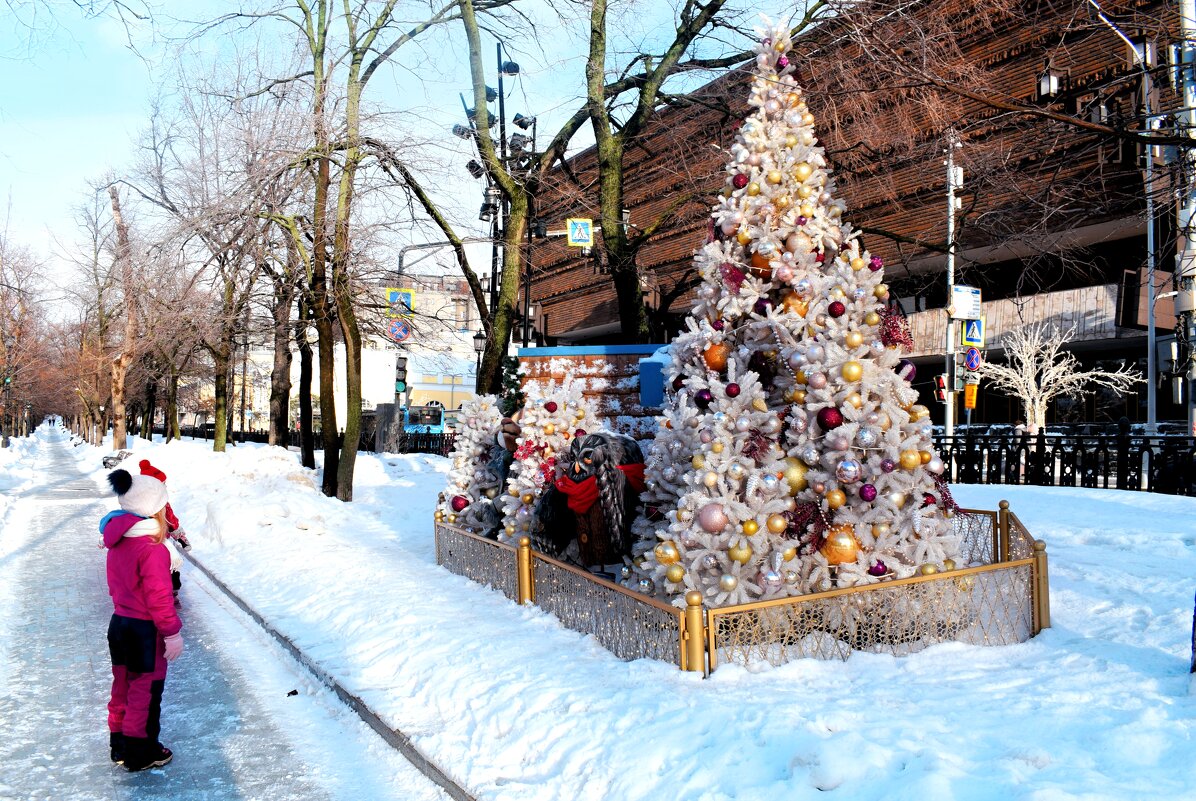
(795, 456)
(548, 422)
(473, 484)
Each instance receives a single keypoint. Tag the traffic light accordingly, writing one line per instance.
(940, 388)
(400, 374)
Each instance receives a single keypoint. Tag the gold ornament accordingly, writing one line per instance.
(753, 189)
(799, 396)
(697, 462)
(926, 456)
(910, 460)
(452, 518)
(897, 499)
(710, 479)
(716, 355)
(666, 553)
(750, 527)
(740, 553)
(760, 405)
(883, 420)
(791, 140)
(807, 119)
(803, 171)
(806, 210)
(439, 517)
(965, 583)
(880, 529)
(852, 370)
(777, 523)
(782, 202)
(510, 531)
(549, 429)
(761, 266)
(789, 554)
(835, 498)
(928, 570)
(675, 574)
(840, 546)
(948, 564)
(795, 474)
(528, 499)
(857, 264)
(579, 413)
(872, 318)
(716, 447)
(774, 177)
(743, 237)
(918, 412)
(854, 400)
(801, 377)
(880, 290)
(805, 191)
(853, 339)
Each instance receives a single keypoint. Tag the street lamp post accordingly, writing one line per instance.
(479, 347)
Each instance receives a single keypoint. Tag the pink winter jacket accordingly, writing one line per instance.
(139, 574)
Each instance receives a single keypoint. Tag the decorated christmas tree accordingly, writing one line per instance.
(473, 482)
(793, 456)
(549, 420)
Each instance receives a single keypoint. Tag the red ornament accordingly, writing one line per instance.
(581, 432)
(732, 275)
(732, 390)
(928, 499)
(739, 181)
(829, 418)
(836, 308)
(678, 382)
(459, 502)
(550, 407)
(820, 258)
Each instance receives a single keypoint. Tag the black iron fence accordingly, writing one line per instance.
(1165, 464)
(441, 444)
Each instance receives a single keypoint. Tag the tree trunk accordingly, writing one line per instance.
(322, 318)
(307, 440)
(120, 366)
(280, 374)
(171, 423)
(352, 335)
(147, 419)
(221, 360)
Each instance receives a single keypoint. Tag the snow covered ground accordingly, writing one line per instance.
(514, 706)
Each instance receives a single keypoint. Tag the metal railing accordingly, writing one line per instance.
(440, 444)
(1001, 597)
(1164, 464)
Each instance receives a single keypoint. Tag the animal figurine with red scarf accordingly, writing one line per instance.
(587, 512)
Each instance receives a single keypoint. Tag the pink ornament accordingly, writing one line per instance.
(459, 502)
(782, 62)
(887, 465)
(868, 493)
(783, 274)
(712, 518)
(732, 390)
(829, 418)
(836, 309)
(878, 569)
(550, 407)
(876, 263)
(801, 220)
(817, 381)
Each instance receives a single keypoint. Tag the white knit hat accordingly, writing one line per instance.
(141, 495)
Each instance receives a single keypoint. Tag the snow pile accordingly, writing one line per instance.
(512, 705)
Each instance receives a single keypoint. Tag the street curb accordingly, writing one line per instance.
(394, 738)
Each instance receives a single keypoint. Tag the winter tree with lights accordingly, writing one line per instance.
(794, 456)
(473, 484)
(549, 420)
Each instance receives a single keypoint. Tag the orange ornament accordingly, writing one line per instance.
(795, 303)
(761, 266)
(840, 546)
(716, 356)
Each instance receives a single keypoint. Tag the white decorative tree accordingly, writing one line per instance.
(467, 501)
(794, 456)
(548, 422)
(1038, 370)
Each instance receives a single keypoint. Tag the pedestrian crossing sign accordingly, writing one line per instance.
(579, 232)
(973, 333)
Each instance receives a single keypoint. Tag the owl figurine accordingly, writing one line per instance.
(587, 512)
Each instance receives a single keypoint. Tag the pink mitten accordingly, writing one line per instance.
(174, 646)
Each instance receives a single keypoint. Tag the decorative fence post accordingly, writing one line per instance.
(523, 565)
(693, 634)
(1042, 591)
(1001, 554)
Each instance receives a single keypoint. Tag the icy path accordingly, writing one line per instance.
(227, 715)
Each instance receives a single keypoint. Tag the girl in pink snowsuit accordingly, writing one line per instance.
(144, 632)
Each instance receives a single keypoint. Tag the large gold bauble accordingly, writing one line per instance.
(855, 400)
(750, 527)
(710, 479)
(697, 462)
(774, 177)
(928, 569)
(549, 429)
(857, 264)
(841, 546)
(727, 583)
(805, 191)
(796, 304)
(675, 574)
(910, 460)
(806, 210)
(925, 456)
(789, 554)
(853, 339)
(666, 553)
(835, 498)
(807, 119)
(802, 171)
(795, 474)
(880, 529)
(740, 553)
(918, 412)
(872, 318)
(880, 290)
(799, 396)
(852, 370)
(777, 523)
(528, 499)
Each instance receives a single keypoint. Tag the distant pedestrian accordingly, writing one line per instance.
(173, 530)
(145, 631)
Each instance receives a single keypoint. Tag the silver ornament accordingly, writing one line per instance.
(727, 582)
(625, 572)
(736, 471)
(803, 288)
(791, 577)
(815, 353)
(877, 347)
(771, 425)
(859, 293)
(709, 562)
(797, 420)
(646, 585)
(849, 471)
(719, 417)
(743, 424)
(809, 455)
(769, 482)
(867, 437)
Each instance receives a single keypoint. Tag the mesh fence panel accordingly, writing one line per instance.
(625, 625)
(478, 559)
(1021, 544)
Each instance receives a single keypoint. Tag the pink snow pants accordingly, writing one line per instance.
(136, 703)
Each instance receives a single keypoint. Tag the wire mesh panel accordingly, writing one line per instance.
(1021, 544)
(981, 606)
(477, 558)
(976, 531)
(629, 625)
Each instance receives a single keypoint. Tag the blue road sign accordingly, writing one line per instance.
(399, 330)
(971, 359)
(973, 333)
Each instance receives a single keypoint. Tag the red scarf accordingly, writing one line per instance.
(583, 494)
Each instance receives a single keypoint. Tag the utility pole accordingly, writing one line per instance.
(1185, 276)
(954, 184)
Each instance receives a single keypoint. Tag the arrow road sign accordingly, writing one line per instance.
(971, 359)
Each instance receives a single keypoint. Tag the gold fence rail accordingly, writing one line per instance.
(1001, 600)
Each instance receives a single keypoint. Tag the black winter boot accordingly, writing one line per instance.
(116, 745)
(142, 753)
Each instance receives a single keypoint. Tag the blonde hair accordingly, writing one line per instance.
(160, 516)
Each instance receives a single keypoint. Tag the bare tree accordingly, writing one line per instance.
(1038, 370)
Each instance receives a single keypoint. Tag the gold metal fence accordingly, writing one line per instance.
(1000, 600)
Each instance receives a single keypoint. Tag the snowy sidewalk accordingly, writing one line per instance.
(226, 712)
